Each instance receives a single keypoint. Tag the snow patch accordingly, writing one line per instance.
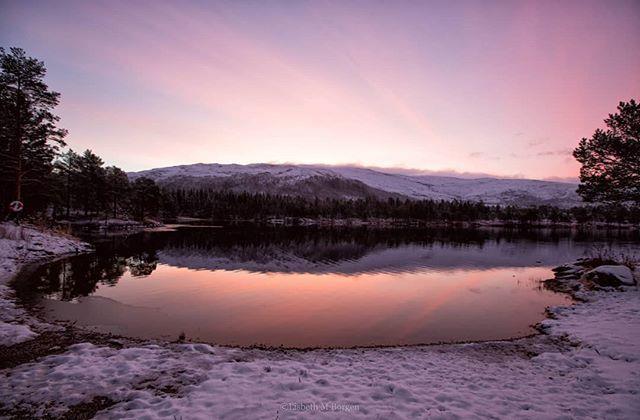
(615, 273)
(14, 333)
(21, 245)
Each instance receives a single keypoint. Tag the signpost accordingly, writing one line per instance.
(16, 208)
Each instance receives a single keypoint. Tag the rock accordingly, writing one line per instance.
(116, 343)
(567, 268)
(611, 275)
(568, 272)
(567, 276)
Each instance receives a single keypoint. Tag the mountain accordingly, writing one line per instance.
(355, 182)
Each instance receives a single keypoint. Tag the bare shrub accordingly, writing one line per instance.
(607, 256)
(12, 232)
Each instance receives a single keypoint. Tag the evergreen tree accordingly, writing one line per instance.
(29, 136)
(67, 168)
(145, 198)
(118, 187)
(92, 186)
(611, 158)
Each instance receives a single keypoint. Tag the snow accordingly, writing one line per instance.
(20, 246)
(14, 333)
(586, 364)
(489, 190)
(619, 272)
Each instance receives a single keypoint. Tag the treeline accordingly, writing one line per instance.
(80, 186)
(83, 186)
(228, 205)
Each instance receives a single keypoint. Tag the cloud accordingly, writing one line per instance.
(537, 142)
(448, 172)
(400, 170)
(567, 179)
(478, 155)
(561, 152)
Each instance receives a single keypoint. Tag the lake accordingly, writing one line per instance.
(307, 287)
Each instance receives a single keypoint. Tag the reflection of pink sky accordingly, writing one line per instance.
(504, 88)
(337, 309)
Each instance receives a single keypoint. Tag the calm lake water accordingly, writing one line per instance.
(297, 287)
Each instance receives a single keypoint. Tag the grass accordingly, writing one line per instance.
(607, 256)
(12, 232)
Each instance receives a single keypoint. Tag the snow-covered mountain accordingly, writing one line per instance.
(354, 182)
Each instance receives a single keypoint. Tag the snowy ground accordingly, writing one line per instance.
(20, 246)
(587, 364)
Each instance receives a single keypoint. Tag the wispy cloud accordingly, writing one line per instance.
(568, 179)
(378, 83)
(561, 152)
(537, 142)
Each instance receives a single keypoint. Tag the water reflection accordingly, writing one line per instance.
(305, 287)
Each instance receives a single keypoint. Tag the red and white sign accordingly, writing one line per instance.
(16, 206)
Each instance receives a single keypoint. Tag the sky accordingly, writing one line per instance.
(506, 88)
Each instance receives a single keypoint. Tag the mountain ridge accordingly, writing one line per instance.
(358, 182)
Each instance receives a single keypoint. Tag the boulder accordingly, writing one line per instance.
(611, 275)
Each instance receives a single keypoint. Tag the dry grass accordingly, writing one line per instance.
(12, 231)
(606, 256)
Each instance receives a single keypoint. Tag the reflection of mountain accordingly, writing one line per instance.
(361, 250)
(309, 250)
(401, 258)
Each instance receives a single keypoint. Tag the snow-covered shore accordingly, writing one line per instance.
(586, 364)
(19, 247)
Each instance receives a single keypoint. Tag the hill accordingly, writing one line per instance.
(356, 182)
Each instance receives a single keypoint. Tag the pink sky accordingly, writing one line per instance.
(506, 88)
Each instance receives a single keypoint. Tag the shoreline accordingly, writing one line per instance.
(382, 223)
(114, 227)
(553, 343)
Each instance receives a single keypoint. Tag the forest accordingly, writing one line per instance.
(225, 205)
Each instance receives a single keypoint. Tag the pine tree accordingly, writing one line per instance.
(29, 136)
(117, 187)
(145, 198)
(92, 185)
(611, 158)
(67, 168)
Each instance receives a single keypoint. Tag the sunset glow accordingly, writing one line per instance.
(304, 309)
(506, 88)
